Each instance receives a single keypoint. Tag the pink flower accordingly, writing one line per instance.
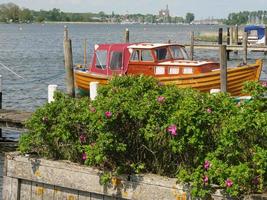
(255, 180)
(84, 156)
(205, 179)
(82, 138)
(209, 110)
(229, 183)
(172, 129)
(160, 84)
(161, 99)
(92, 109)
(207, 165)
(264, 84)
(108, 114)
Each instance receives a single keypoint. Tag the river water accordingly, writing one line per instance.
(35, 53)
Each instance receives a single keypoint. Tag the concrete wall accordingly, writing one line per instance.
(38, 179)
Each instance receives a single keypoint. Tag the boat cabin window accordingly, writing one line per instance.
(116, 60)
(135, 55)
(101, 59)
(162, 54)
(146, 55)
(177, 52)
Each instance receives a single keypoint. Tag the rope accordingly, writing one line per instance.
(11, 70)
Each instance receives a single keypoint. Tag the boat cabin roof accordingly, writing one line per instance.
(150, 45)
(260, 30)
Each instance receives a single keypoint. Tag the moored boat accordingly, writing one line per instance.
(168, 63)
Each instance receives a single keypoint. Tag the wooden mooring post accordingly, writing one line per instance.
(245, 47)
(231, 35)
(68, 63)
(236, 34)
(127, 35)
(223, 68)
(220, 36)
(1, 100)
(228, 43)
(236, 37)
(192, 45)
(85, 53)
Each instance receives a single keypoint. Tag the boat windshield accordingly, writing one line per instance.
(178, 52)
(101, 59)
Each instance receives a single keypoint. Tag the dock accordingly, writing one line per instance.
(259, 48)
(13, 119)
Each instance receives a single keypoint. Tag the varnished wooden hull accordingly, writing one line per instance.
(203, 82)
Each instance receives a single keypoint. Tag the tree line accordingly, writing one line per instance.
(12, 13)
(246, 17)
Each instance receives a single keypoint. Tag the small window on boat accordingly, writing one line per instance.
(162, 54)
(135, 55)
(159, 70)
(116, 60)
(174, 70)
(188, 70)
(146, 55)
(101, 59)
(176, 52)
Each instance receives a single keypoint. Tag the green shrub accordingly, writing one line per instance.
(136, 125)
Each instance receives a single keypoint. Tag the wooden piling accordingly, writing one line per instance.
(223, 68)
(127, 35)
(68, 63)
(245, 47)
(228, 36)
(228, 43)
(231, 35)
(220, 36)
(236, 35)
(1, 100)
(192, 46)
(85, 53)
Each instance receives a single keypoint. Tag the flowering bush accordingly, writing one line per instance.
(136, 125)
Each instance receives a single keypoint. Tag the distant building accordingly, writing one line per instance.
(207, 21)
(164, 15)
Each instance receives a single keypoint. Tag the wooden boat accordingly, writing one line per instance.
(166, 62)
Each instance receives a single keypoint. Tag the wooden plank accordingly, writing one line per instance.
(109, 198)
(11, 188)
(37, 191)
(96, 196)
(65, 193)
(25, 190)
(48, 192)
(229, 47)
(6, 188)
(84, 195)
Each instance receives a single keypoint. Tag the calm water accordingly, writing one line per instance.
(35, 52)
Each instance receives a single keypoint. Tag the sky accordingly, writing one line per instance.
(201, 8)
